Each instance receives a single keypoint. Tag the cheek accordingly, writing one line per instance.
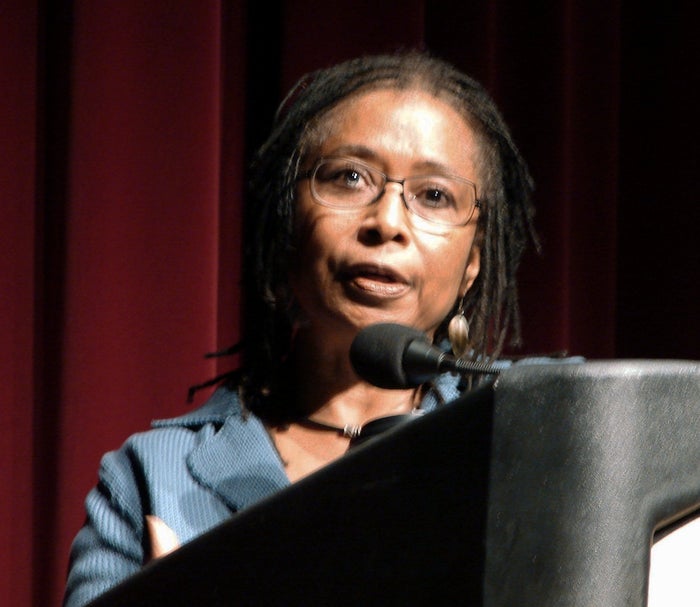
(319, 236)
(447, 261)
(444, 280)
(318, 233)
(444, 273)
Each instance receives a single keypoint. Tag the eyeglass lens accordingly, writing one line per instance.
(347, 183)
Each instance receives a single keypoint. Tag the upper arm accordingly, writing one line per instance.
(110, 546)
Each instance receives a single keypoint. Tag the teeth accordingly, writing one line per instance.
(375, 278)
(378, 277)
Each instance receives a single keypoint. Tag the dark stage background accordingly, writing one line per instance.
(126, 127)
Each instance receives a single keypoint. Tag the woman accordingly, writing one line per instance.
(389, 190)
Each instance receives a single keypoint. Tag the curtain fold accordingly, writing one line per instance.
(18, 150)
(554, 71)
(127, 127)
(141, 220)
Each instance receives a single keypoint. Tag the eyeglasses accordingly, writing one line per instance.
(346, 183)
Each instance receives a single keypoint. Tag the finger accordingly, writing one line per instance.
(163, 539)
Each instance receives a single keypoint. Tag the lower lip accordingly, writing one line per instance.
(377, 287)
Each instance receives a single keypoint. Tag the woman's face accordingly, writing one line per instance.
(380, 263)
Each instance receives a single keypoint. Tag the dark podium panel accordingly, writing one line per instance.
(543, 488)
(587, 462)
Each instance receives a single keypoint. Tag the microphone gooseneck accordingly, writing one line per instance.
(393, 356)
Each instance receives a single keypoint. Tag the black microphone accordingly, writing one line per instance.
(393, 356)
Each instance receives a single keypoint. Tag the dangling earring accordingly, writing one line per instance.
(458, 333)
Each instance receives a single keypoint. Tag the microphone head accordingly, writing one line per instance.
(377, 354)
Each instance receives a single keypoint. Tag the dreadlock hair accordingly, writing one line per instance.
(505, 218)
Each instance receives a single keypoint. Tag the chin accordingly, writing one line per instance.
(371, 319)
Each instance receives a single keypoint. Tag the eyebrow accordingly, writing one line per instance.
(366, 154)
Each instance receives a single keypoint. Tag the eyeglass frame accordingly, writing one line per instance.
(311, 175)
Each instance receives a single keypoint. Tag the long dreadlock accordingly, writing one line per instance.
(505, 220)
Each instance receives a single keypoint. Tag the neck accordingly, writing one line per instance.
(328, 390)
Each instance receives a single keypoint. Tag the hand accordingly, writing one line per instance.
(162, 538)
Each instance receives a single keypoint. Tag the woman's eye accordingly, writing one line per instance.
(435, 198)
(343, 176)
(351, 178)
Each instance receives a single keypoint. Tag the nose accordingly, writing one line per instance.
(386, 219)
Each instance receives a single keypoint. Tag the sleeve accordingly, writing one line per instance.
(110, 546)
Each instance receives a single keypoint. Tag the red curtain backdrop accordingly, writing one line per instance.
(126, 130)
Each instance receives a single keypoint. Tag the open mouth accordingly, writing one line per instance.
(374, 281)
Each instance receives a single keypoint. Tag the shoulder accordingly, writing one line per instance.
(450, 386)
(162, 450)
(186, 469)
(180, 433)
(224, 403)
(218, 449)
(165, 447)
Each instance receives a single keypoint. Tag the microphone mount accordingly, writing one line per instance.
(390, 355)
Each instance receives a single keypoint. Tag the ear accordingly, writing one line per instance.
(471, 271)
